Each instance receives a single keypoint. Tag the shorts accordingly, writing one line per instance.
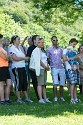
(4, 73)
(20, 79)
(74, 76)
(55, 72)
(42, 78)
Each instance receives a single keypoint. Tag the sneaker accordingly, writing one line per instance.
(41, 101)
(3, 103)
(20, 101)
(55, 99)
(28, 100)
(72, 101)
(47, 100)
(62, 99)
(8, 101)
(77, 100)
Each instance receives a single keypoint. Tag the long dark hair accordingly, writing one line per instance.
(13, 38)
(79, 48)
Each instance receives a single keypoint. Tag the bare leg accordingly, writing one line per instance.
(72, 91)
(39, 89)
(25, 94)
(44, 91)
(28, 88)
(2, 91)
(18, 94)
(7, 89)
(68, 86)
(55, 90)
(61, 91)
(75, 92)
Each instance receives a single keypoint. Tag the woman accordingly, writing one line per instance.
(5, 44)
(18, 68)
(80, 57)
(39, 58)
(29, 40)
(4, 75)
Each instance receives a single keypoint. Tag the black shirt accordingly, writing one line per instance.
(30, 49)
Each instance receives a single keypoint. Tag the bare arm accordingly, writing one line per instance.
(45, 67)
(22, 44)
(75, 58)
(65, 58)
(15, 58)
(6, 57)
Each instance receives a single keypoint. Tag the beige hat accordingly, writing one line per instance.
(70, 47)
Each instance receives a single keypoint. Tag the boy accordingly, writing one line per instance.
(70, 54)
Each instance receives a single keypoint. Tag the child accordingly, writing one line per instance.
(70, 54)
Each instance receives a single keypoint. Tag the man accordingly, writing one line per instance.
(55, 55)
(35, 38)
(69, 72)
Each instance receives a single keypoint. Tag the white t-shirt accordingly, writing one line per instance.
(43, 59)
(19, 53)
(67, 65)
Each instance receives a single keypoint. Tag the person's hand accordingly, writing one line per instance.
(68, 59)
(47, 68)
(26, 59)
(7, 57)
(25, 38)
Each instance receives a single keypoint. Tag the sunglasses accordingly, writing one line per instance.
(54, 40)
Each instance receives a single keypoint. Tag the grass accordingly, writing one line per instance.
(60, 113)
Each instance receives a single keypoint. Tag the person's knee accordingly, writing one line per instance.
(9, 85)
(54, 86)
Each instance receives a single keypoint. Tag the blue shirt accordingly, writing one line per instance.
(71, 55)
(6, 49)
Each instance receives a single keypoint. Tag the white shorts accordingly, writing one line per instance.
(55, 72)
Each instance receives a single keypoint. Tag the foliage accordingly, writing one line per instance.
(68, 10)
(29, 17)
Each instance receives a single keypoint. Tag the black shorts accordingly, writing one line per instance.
(20, 79)
(4, 73)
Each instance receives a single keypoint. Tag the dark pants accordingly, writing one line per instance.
(20, 79)
(34, 82)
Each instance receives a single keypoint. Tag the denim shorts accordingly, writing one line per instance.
(74, 76)
(55, 72)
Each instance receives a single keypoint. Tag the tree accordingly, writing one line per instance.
(66, 11)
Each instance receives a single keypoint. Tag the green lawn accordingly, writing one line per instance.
(60, 113)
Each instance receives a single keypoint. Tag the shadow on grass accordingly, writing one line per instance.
(43, 110)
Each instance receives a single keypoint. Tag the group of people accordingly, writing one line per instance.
(19, 64)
